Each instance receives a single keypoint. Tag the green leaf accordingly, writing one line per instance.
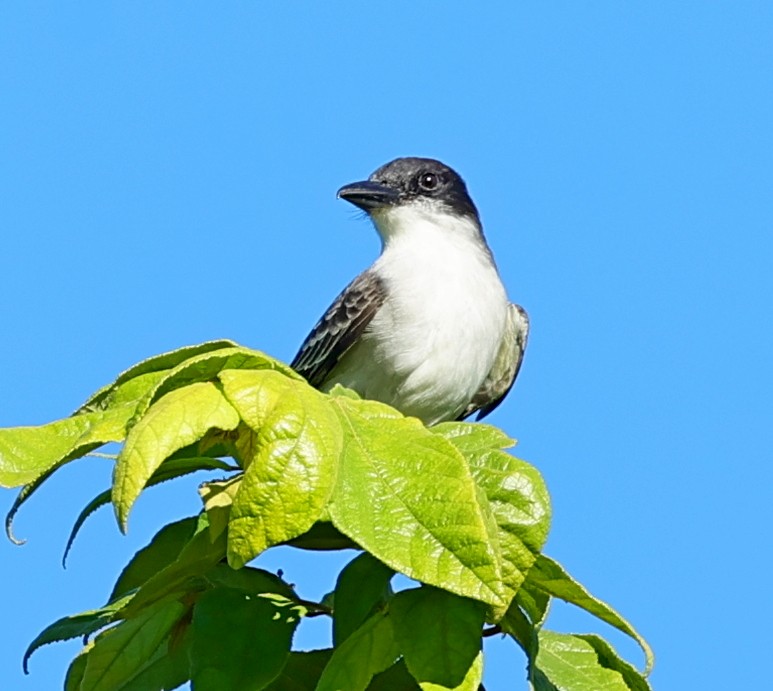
(534, 602)
(251, 581)
(176, 420)
(158, 364)
(187, 573)
(26, 453)
(323, 536)
(288, 482)
(473, 437)
(568, 663)
(361, 587)
(218, 498)
(75, 626)
(396, 678)
(517, 625)
(167, 668)
(169, 469)
(24, 495)
(408, 497)
(165, 671)
(76, 670)
(240, 641)
(122, 652)
(369, 650)
(517, 495)
(301, 671)
(551, 578)
(206, 367)
(163, 549)
(439, 635)
(609, 658)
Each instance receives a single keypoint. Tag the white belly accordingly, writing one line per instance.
(432, 343)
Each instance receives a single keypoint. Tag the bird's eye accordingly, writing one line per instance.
(428, 181)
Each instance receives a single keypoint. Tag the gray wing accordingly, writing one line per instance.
(506, 365)
(339, 328)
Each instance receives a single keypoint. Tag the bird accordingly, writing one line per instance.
(428, 328)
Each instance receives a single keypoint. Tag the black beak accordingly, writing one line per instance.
(368, 195)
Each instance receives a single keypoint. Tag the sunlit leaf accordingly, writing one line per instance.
(206, 366)
(156, 365)
(26, 453)
(218, 498)
(408, 497)
(568, 663)
(175, 421)
(517, 495)
(290, 478)
(550, 577)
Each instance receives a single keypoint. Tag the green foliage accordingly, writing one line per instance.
(447, 506)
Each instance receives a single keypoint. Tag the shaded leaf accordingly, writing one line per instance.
(177, 420)
(396, 678)
(534, 602)
(550, 577)
(301, 671)
(24, 494)
(439, 635)
(290, 478)
(169, 469)
(369, 650)
(76, 670)
(250, 580)
(163, 549)
(517, 625)
(165, 671)
(323, 536)
(124, 651)
(408, 497)
(187, 573)
(362, 585)
(240, 641)
(75, 626)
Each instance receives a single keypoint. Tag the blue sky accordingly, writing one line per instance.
(168, 175)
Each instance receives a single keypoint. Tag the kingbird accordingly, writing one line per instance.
(428, 328)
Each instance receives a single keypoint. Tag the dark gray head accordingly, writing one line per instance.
(411, 180)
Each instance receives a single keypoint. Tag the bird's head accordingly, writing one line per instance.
(411, 188)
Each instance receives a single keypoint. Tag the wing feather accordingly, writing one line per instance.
(506, 365)
(339, 328)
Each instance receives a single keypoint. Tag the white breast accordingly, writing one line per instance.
(432, 343)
